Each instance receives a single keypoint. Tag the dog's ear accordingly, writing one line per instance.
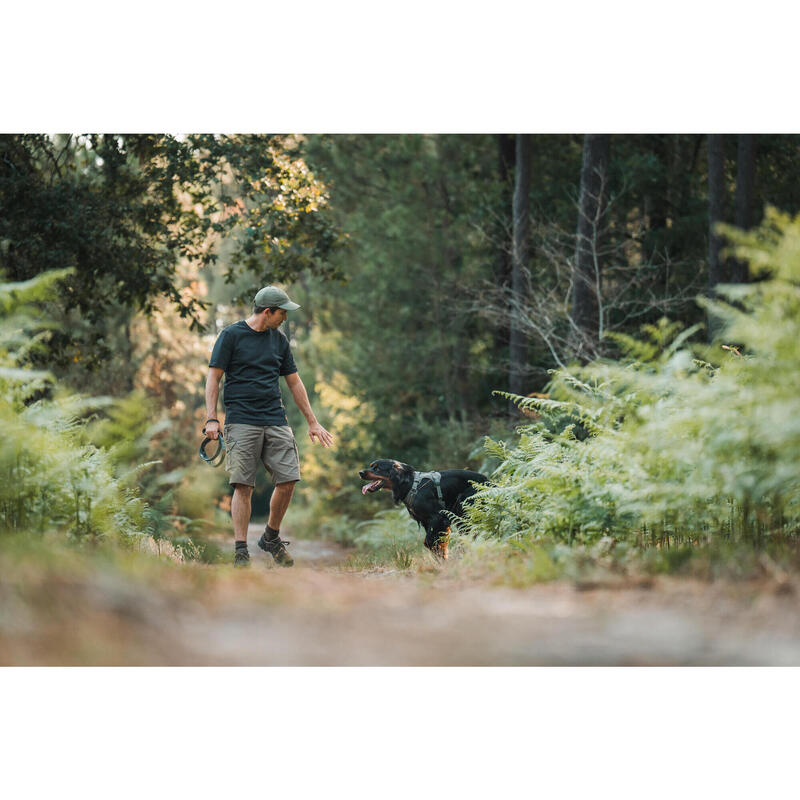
(402, 477)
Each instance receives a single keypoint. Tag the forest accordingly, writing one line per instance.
(606, 325)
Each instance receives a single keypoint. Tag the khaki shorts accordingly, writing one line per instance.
(273, 445)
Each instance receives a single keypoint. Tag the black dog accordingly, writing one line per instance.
(426, 495)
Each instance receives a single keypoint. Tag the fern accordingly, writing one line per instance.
(51, 478)
(676, 441)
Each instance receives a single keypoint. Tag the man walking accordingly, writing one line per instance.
(252, 354)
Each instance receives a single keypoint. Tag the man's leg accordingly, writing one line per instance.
(271, 542)
(240, 514)
(241, 463)
(281, 497)
(280, 457)
(240, 510)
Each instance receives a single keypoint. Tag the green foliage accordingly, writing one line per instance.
(126, 429)
(196, 488)
(50, 479)
(53, 478)
(686, 443)
(391, 528)
(391, 538)
(413, 345)
(124, 211)
(21, 333)
(51, 482)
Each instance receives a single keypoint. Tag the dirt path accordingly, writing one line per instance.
(319, 613)
(308, 552)
(321, 616)
(389, 618)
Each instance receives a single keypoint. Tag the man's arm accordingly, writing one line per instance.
(212, 394)
(301, 398)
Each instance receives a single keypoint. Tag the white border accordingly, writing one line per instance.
(398, 733)
(435, 66)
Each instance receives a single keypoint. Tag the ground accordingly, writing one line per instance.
(322, 612)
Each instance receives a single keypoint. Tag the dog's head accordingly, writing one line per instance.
(385, 473)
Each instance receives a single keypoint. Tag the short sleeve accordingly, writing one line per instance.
(287, 364)
(221, 354)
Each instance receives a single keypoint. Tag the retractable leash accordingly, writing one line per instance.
(217, 458)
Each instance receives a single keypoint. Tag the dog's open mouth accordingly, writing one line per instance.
(372, 487)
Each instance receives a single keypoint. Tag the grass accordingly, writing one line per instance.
(395, 557)
(391, 541)
(522, 563)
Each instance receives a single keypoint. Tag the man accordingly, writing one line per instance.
(253, 353)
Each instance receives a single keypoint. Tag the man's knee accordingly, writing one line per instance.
(242, 489)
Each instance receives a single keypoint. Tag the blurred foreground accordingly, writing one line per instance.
(60, 607)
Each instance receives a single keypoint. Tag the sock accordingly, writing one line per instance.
(272, 533)
(241, 546)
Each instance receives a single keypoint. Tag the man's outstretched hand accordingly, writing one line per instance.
(318, 434)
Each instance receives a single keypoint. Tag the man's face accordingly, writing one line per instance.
(275, 318)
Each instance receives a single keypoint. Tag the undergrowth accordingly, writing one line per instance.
(71, 465)
(678, 444)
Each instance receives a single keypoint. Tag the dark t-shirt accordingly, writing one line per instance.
(253, 361)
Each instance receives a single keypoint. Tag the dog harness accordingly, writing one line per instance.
(419, 477)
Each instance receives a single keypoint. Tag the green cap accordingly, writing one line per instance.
(271, 296)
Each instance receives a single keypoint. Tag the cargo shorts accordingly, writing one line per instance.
(273, 445)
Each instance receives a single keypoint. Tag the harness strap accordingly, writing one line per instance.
(419, 478)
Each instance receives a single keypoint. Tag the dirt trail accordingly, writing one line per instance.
(308, 552)
(318, 613)
(326, 616)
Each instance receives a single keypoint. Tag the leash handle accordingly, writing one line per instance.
(216, 459)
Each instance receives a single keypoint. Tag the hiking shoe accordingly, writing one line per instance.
(276, 548)
(241, 558)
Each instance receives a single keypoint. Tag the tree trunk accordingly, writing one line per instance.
(716, 194)
(586, 271)
(657, 198)
(519, 262)
(745, 178)
(506, 143)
